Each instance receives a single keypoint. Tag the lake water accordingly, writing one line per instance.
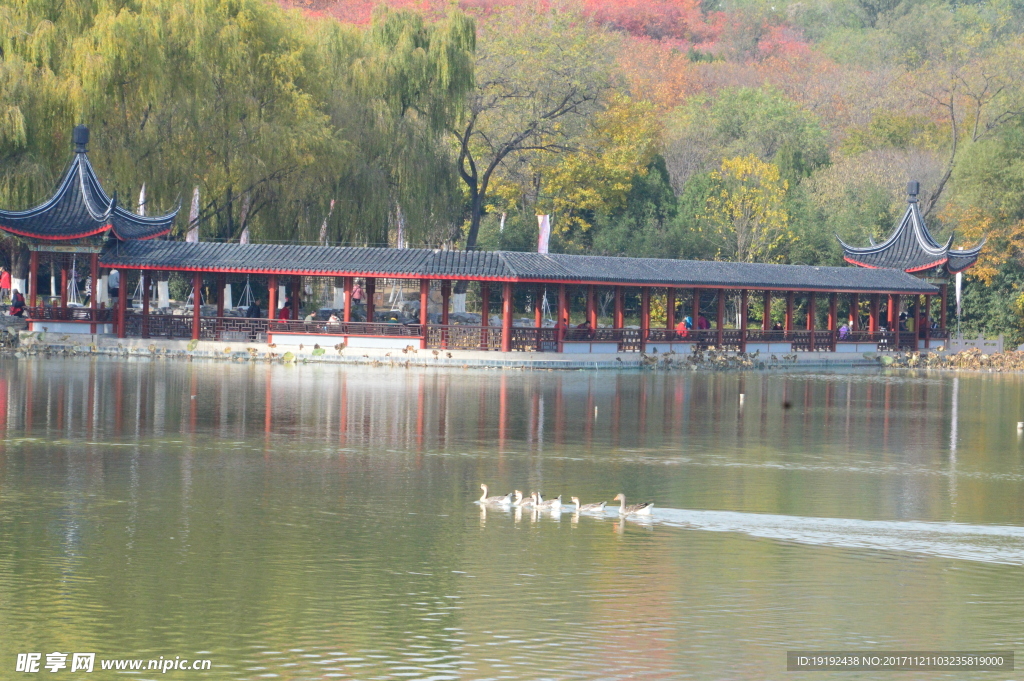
(309, 522)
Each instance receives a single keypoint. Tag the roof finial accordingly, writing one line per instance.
(80, 136)
(913, 189)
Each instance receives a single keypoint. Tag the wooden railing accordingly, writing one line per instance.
(72, 314)
(180, 326)
(459, 337)
(347, 328)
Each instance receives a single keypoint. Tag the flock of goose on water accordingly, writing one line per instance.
(535, 502)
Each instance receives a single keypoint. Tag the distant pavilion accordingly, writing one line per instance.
(81, 218)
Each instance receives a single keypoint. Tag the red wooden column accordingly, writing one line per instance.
(895, 304)
(854, 312)
(64, 285)
(147, 282)
(122, 304)
(197, 296)
(696, 308)
(296, 297)
(766, 313)
(94, 275)
(873, 313)
(424, 308)
(927, 321)
(506, 317)
(485, 314)
(347, 283)
(538, 309)
(811, 313)
(744, 304)
(446, 295)
(272, 299)
(943, 302)
(33, 278)
(893, 318)
(645, 316)
(563, 315)
(220, 306)
(371, 292)
(789, 312)
(591, 307)
(670, 310)
(833, 317)
(620, 311)
(720, 320)
(917, 321)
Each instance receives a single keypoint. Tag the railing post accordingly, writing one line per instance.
(720, 331)
(645, 316)
(424, 311)
(743, 320)
(145, 303)
(197, 296)
(506, 317)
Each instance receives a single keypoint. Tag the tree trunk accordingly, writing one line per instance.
(19, 267)
(476, 213)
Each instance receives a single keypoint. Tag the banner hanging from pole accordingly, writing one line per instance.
(544, 225)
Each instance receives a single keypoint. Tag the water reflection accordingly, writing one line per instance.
(316, 521)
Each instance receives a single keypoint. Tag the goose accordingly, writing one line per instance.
(521, 501)
(633, 509)
(588, 508)
(498, 501)
(553, 505)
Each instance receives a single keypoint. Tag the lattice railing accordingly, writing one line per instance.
(460, 337)
(346, 329)
(72, 314)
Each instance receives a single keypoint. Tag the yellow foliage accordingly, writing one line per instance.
(598, 176)
(745, 217)
(1005, 240)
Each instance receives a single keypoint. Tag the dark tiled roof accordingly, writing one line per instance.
(500, 266)
(81, 208)
(911, 248)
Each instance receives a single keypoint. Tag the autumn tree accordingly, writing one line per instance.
(745, 219)
(540, 77)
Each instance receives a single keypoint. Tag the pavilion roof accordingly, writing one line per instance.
(414, 263)
(911, 247)
(80, 208)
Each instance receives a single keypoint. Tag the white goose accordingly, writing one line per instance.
(521, 501)
(494, 501)
(553, 505)
(588, 508)
(633, 509)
